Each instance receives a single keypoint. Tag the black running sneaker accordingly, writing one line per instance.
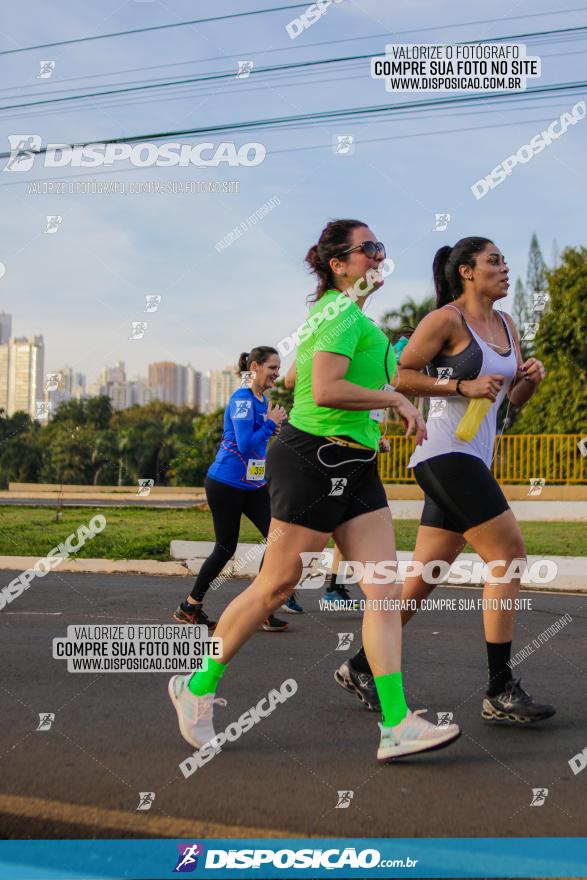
(359, 683)
(339, 594)
(515, 705)
(274, 625)
(193, 614)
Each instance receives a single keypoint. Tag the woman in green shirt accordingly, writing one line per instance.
(323, 482)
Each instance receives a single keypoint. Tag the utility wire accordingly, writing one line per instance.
(278, 67)
(418, 134)
(337, 115)
(158, 27)
(170, 80)
(232, 16)
(281, 49)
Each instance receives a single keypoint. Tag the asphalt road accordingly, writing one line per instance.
(115, 735)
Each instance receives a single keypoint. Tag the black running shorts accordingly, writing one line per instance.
(460, 492)
(319, 484)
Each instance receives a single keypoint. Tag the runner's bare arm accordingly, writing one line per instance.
(330, 388)
(431, 335)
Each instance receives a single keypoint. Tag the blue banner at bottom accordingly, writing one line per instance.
(529, 857)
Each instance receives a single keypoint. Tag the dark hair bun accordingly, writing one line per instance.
(312, 258)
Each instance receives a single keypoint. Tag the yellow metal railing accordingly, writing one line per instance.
(518, 458)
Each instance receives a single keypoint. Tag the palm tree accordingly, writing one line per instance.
(104, 457)
(125, 444)
(403, 321)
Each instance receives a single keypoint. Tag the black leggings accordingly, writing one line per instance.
(228, 505)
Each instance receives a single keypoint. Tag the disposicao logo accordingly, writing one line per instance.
(188, 857)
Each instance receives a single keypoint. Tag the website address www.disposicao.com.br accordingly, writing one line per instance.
(329, 859)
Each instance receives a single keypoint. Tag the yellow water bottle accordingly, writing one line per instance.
(474, 415)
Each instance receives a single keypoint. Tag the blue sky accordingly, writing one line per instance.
(83, 286)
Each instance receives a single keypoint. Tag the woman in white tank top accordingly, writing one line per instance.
(480, 359)
(466, 349)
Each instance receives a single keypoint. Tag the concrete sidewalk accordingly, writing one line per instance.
(571, 570)
(555, 503)
(188, 557)
(534, 510)
(529, 511)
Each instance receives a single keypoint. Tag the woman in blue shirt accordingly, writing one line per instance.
(235, 483)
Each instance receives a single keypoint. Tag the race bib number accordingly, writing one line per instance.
(256, 469)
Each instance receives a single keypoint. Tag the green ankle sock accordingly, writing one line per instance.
(206, 681)
(390, 690)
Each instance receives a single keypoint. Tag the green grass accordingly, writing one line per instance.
(145, 533)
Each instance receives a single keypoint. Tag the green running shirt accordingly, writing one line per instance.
(336, 324)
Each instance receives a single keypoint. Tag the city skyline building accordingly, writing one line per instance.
(5, 327)
(223, 383)
(22, 376)
(25, 385)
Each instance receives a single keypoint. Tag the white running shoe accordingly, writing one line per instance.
(414, 734)
(194, 713)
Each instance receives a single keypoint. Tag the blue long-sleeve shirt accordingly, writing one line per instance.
(244, 442)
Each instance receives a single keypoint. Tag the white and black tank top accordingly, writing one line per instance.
(445, 413)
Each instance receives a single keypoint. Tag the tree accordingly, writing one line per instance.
(189, 466)
(94, 411)
(149, 437)
(73, 411)
(281, 396)
(522, 315)
(520, 309)
(104, 459)
(20, 459)
(99, 411)
(68, 452)
(124, 448)
(10, 426)
(536, 275)
(559, 406)
(403, 321)
(537, 287)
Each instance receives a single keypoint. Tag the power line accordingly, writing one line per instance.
(278, 67)
(171, 81)
(181, 93)
(195, 79)
(274, 9)
(158, 27)
(306, 119)
(418, 134)
(282, 49)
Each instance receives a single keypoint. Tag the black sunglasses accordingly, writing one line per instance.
(369, 248)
